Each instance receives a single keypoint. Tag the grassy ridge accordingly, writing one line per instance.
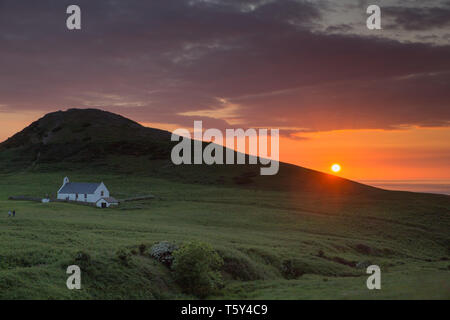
(276, 244)
(95, 141)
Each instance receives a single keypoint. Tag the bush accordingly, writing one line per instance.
(142, 248)
(196, 268)
(124, 257)
(82, 259)
(163, 252)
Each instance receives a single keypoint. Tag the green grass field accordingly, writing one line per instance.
(258, 233)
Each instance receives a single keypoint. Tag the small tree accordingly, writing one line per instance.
(196, 268)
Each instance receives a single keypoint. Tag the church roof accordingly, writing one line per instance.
(79, 187)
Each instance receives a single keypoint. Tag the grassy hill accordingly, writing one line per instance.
(299, 235)
(92, 141)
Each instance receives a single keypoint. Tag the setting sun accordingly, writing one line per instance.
(336, 167)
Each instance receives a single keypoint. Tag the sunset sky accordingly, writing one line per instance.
(375, 101)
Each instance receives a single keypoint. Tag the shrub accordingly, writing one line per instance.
(82, 259)
(142, 248)
(163, 252)
(196, 268)
(123, 256)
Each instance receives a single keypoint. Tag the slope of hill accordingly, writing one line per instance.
(97, 141)
(297, 235)
(83, 136)
(275, 244)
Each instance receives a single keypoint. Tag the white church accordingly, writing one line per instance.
(95, 193)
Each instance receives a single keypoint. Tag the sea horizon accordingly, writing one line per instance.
(425, 185)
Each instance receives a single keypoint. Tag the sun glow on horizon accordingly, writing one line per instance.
(336, 168)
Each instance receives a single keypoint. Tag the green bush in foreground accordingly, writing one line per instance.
(196, 268)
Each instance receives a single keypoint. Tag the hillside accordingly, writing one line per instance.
(300, 234)
(83, 136)
(275, 245)
(92, 140)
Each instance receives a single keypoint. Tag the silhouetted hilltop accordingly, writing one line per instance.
(93, 140)
(83, 136)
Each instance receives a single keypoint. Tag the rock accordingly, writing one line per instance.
(163, 252)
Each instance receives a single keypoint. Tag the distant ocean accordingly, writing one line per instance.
(428, 186)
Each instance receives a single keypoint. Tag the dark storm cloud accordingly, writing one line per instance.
(411, 18)
(153, 60)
